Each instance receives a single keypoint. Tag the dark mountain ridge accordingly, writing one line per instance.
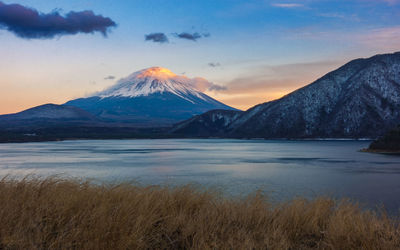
(47, 115)
(211, 123)
(388, 143)
(358, 100)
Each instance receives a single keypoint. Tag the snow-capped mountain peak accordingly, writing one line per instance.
(154, 80)
(150, 97)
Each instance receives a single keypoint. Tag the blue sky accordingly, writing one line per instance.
(262, 49)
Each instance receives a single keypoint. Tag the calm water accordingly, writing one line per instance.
(284, 169)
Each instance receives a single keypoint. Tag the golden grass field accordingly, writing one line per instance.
(58, 213)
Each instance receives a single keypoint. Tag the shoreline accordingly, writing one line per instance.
(26, 140)
(380, 151)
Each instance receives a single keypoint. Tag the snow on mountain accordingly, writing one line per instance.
(359, 100)
(154, 80)
(150, 97)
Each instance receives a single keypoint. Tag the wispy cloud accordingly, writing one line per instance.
(385, 38)
(160, 37)
(214, 64)
(351, 17)
(266, 83)
(109, 77)
(281, 77)
(287, 5)
(29, 23)
(201, 84)
(216, 87)
(387, 2)
(391, 2)
(191, 36)
(156, 37)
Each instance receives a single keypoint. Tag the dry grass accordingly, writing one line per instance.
(66, 214)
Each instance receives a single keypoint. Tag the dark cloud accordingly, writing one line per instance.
(156, 37)
(190, 36)
(214, 64)
(216, 87)
(160, 37)
(109, 78)
(30, 24)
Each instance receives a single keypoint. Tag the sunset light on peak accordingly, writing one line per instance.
(156, 72)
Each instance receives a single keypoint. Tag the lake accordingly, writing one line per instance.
(283, 169)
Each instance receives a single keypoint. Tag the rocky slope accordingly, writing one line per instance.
(209, 124)
(360, 99)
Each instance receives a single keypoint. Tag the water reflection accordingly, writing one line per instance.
(282, 168)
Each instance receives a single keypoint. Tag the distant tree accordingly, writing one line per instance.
(390, 141)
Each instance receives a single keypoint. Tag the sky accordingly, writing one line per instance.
(255, 50)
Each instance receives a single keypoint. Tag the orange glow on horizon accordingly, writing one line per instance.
(247, 100)
(18, 101)
(18, 97)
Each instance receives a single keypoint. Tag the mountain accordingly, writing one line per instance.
(360, 99)
(211, 123)
(47, 115)
(151, 97)
(51, 122)
(389, 143)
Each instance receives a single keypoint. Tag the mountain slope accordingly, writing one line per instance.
(150, 97)
(47, 115)
(209, 124)
(360, 99)
(390, 142)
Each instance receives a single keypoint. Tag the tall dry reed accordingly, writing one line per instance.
(57, 213)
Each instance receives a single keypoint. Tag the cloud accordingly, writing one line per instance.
(266, 83)
(214, 65)
(386, 2)
(156, 37)
(201, 84)
(160, 37)
(109, 78)
(191, 36)
(287, 5)
(391, 2)
(215, 87)
(384, 38)
(28, 23)
(377, 39)
(352, 17)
